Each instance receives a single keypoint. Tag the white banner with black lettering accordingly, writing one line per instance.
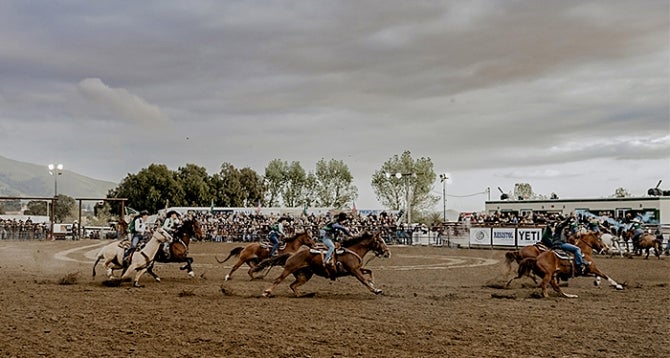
(480, 236)
(504, 237)
(528, 236)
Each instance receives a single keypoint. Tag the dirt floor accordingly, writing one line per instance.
(437, 302)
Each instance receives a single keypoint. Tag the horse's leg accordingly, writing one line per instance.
(594, 270)
(136, 281)
(287, 271)
(237, 265)
(359, 275)
(557, 288)
(301, 277)
(368, 272)
(187, 267)
(150, 271)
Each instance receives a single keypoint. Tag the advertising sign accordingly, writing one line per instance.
(480, 236)
(504, 237)
(528, 236)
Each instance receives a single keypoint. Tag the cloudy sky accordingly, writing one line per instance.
(572, 97)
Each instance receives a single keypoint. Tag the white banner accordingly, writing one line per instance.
(528, 236)
(504, 237)
(480, 236)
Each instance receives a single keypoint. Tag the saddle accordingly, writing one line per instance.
(321, 248)
(268, 245)
(563, 255)
(542, 247)
(124, 244)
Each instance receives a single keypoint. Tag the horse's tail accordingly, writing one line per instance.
(96, 264)
(527, 266)
(511, 256)
(234, 252)
(279, 260)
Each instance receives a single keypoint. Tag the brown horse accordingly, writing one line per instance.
(306, 263)
(178, 248)
(551, 267)
(522, 253)
(648, 241)
(255, 252)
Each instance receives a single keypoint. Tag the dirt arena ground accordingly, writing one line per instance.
(437, 302)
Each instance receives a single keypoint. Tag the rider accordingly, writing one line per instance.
(276, 231)
(636, 227)
(329, 234)
(170, 225)
(137, 230)
(560, 241)
(547, 235)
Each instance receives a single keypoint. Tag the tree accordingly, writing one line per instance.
(65, 206)
(195, 182)
(231, 191)
(274, 180)
(294, 185)
(252, 186)
(334, 184)
(523, 191)
(36, 207)
(150, 189)
(412, 187)
(621, 193)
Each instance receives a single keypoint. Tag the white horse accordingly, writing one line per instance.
(614, 243)
(140, 260)
(112, 256)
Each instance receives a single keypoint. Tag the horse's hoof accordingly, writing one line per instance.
(377, 291)
(267, 293)
(191, 274)
(158, 279)
(226, 278)
(619, 287)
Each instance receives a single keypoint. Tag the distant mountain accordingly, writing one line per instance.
(27, 179)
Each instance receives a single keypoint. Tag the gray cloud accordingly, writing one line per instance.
(519, 89)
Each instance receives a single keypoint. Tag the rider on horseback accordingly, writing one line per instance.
(560, 241)
(329, 234)
(276, 231)
(137, 229)
(170, 225)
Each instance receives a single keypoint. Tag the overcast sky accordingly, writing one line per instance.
(572, 97)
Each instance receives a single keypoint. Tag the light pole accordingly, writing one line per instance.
(54, 170)
(444, 177)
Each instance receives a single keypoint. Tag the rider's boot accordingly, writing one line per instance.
(127, 255)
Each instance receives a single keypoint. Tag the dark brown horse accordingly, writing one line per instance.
(178, 247)
(551, 267)
(648, 241)
(255, 252)
(306, 263)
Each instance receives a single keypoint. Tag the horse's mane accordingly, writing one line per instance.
(186, 227)
(366, 235)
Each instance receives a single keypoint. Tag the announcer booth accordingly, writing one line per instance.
(504, 236)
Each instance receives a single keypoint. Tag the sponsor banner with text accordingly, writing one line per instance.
(504, 236)
(528, 236)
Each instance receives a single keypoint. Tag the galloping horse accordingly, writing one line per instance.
(140, 260)
(522, 253)
(306, 263)
(648, 241)
(550, 267)
(178, 248)
(255, 252)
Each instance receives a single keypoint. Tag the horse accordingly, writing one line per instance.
(522, 253)
(614, 243)
(112, 255)
(306, 263)
(551, 267)
(141, 260)
(648, 241)
(178, 248)
(255, 252)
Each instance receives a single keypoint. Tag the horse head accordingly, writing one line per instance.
(161, 235)
(190, 228)
(593, 240)
(379, 245)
